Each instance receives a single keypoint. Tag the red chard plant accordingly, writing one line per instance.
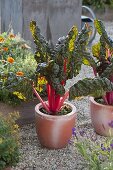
(55, 65)
(100, 87)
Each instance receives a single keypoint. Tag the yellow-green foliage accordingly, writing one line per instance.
(96, 50)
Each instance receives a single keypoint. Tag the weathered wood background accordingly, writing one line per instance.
(55, 17)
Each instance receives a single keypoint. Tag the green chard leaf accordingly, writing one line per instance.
(99, 26)
(94, 87)
(43, 49)
(80, 55)
(108, 71)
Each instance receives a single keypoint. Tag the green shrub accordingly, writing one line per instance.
(9, 141)
(17, 66)
(13, 46)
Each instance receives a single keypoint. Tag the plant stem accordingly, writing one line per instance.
(49, 95)
(105, 99)
(65, 67)
(94, 71)
(41, 100)
(62, 100)
(51, 98)
(57, 101)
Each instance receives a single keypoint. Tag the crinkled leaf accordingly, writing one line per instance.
(43, 49)
(96, 87)
(96, 50)
(108, 71)
(99, 26)
(80, 54)
(101, 30)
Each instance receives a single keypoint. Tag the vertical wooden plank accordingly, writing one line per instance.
(5, 15)
(34, 10)
(11, 14)
(16, 15)
(55, 17)
(0, 16)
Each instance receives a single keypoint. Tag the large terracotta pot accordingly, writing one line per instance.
(54, 131)
(102, 118)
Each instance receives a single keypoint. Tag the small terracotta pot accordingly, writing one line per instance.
(101, 116)
(54, 132)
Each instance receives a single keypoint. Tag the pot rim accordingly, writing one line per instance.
(55, 116)
(99, 104)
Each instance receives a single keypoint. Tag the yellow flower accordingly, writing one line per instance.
(10, 60)
(19, 73)
(1, 140)
(1, 39)
(42, 80)
(19, 95)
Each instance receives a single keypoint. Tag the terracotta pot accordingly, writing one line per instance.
(101, 116)
(54, 131)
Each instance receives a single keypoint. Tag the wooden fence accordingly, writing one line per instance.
(55, 17)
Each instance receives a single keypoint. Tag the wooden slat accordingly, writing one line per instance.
(5, 15)
(11, 14)
(55, 17)
(0, 16)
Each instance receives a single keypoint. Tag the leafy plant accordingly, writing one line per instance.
(55, 65)
(102, 85)
(97, 155)
(17, 66)
(9, 141)
(13, 45)
(98, 3)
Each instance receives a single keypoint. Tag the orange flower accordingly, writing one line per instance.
(19, 73)
(11, 36)
(1, 39)
(5, 48)
(10, 60)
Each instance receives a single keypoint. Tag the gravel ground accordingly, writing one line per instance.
(34, 157)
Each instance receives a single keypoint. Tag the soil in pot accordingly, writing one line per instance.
(54, 131)
(64, 110)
